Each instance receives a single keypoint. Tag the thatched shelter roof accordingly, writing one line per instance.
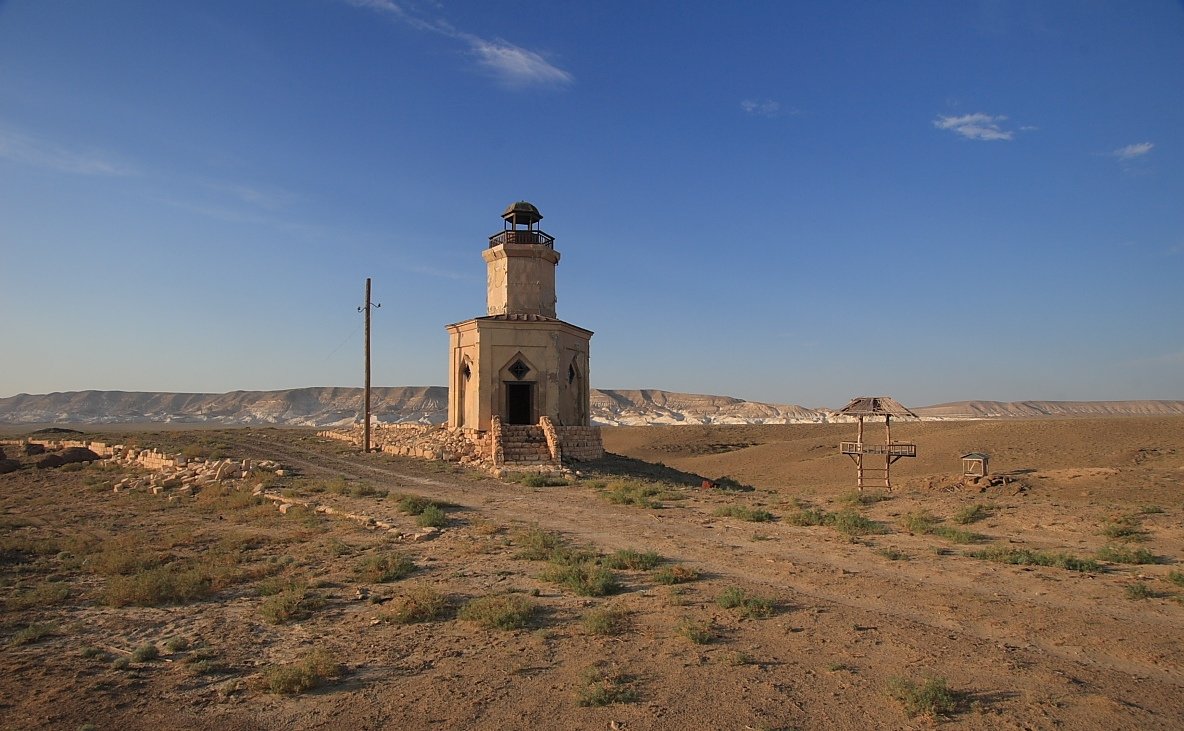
(876, 406)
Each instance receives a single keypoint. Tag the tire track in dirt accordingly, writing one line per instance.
(913, 600)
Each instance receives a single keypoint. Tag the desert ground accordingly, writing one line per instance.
(629, 599)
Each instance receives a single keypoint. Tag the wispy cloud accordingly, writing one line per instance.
(517, 66)
(761, 107)
(256, 195)
(1130, 152)
(977, 126)
(511, 64)
(42, 153)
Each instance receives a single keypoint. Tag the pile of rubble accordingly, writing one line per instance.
(1003, 484)
(187, 476)
(176, 473)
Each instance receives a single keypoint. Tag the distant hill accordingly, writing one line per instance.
(1036, 409)
(292, 407)
(330, 406)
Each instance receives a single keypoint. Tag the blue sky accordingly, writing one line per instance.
(781, 201)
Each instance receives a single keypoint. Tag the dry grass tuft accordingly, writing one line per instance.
(500, 611)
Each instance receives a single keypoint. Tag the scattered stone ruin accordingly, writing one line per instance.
(503, 449)
(174, 474)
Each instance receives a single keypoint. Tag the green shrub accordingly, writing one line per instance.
(146, 652)
(176, 644)
(920, 521)
(807, 516)
(1139, 590)
(971, 514)
(1117, 554)
(1126, 528)
(572, 556)
(858, 497)
(431, 517)
(585, 579)
(420, 603)
(956, 535)
(930, 697)
(675, 575)
(536, 544)
(700, 633)
(601, 688)
(383, 567)
(416, 504)
(1176, 577)
(893, 554)
(544, 481)
(632, 560)
(1027, 557)
(743, 512)
(641, 494)
(605, 621)
(750, 607)
(849, 522)
(502, 611)
(33, 633)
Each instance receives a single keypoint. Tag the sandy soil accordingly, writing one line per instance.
(1020, 647)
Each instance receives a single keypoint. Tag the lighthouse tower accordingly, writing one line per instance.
(519, 362)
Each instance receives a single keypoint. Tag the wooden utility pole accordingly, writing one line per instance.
(366, 423)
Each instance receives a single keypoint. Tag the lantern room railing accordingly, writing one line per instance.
(522, 238)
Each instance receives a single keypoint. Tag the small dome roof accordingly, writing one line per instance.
(522, 212)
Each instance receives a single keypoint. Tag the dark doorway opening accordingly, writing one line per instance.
(518, 406)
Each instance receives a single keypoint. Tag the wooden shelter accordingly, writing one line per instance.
(862, 408)
(974, 464)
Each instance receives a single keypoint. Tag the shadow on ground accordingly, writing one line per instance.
(617, 466)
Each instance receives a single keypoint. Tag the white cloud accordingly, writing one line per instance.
(977, 126)
(1130, 152)
(761, 107)
(513, 65)
(42, 153)
(517, 66)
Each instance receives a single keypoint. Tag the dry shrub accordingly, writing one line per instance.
(420, 603)
(501, 611)
(306, 674)
(381, 568)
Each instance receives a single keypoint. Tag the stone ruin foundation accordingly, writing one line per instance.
(503, 449)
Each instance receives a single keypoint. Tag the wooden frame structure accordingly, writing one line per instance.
(863, 407)
(974, 464)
